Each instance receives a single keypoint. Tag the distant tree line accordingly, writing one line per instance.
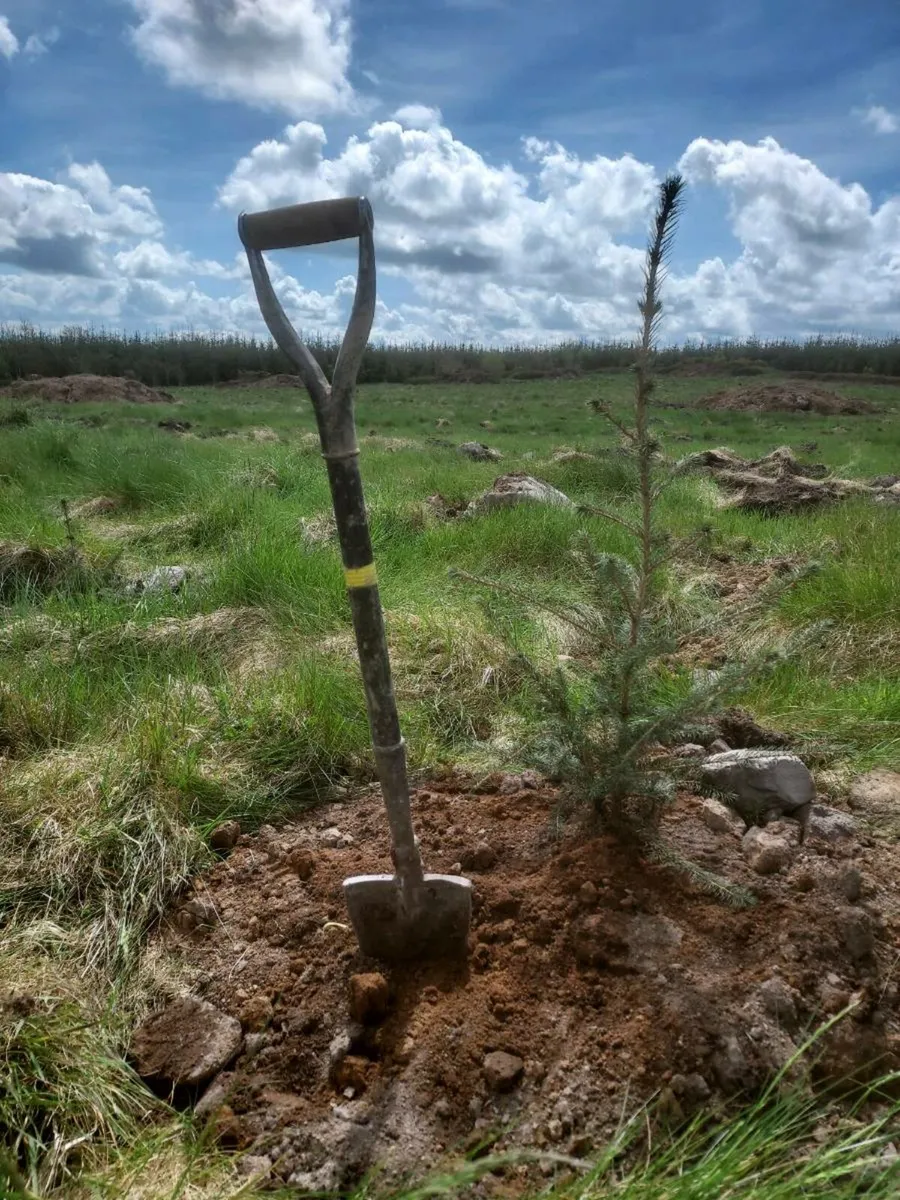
(189, 359)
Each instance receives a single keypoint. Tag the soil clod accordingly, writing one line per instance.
(186, 1043)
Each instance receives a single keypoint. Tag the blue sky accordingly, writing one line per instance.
(640, 78)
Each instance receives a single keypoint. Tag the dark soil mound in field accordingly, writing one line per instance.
(781, 397)
(80, 389)
(259, 379)
(594, 980)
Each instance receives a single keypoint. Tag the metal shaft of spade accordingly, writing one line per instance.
(447, 897)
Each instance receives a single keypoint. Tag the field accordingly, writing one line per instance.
(133, 723)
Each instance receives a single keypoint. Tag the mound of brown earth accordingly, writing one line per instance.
(79, 389)
(778, 483)
(259, 379)
(593, 981)
(782, 397)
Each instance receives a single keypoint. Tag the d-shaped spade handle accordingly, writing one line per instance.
(305, 224)
(312, 224)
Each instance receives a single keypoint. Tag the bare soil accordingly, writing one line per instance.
(260, 379)
(594, 981)
(785, 397)
(81, 389)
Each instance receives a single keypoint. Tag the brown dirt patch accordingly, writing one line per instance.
(785, 397)
(83, 389)
(608, 978)
(260, 379)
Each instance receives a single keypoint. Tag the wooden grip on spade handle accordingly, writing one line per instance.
(305, 224)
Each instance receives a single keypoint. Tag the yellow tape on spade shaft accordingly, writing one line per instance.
(360, 577)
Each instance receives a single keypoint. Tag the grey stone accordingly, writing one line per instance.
(762, 785)
(778, 1001)
(160, 579)
(850, 882)
(729, 1064)
(830, 824)
(692, 1088)
(765, 852)
(511, 490)
(859, 934)
(255, 1166)
(877, 792)
(689, 750)
(335, 839)
(503, 1071)
(188, 1042)
(214, 1096)
(479, 452)
(717, 817)
(653, 941)
(719, 745)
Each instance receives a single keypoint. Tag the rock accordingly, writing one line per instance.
(160, 579)
(653, 941)
(338, 1049)
(479, 452)
(730, 1066)
(369, 998)
(503, 1071)
(335, 839)
(762, 785)
(830, 824)
(482, 858)
(858, 934)
(257, 1012)
(778, 1001)
(302, 861)
(765, 852)
(850, 882)
(198, 913)
(692, 1089)
(884, 481)
(225, 836)
(877, 792)
(689, 750)
(214, 1096)
(188, 1042)
(587, 894)
(717, 817)
(255, 1166)
(511, 490)
(718, 746)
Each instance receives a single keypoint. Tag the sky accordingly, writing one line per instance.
(511, 150)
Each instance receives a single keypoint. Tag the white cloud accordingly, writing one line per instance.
(9, 43)
(154, 260)
(38, 44)
(451, 221)
(60, 228)
(816, 253)
(282, 55)
(547, 249)
(418, 116)
(880, 119)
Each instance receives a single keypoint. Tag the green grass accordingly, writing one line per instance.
(131, 725)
